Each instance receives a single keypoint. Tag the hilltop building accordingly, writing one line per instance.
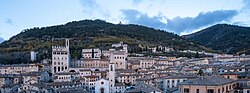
(60, 58)
(91, 53)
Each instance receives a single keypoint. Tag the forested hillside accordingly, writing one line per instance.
(92, 34)
(225, 38)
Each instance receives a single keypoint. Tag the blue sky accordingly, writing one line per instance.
(177, 16)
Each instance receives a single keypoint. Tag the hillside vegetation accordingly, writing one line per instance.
(225, 38)
(92, 34)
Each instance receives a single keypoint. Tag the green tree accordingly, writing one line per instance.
(200, 72)
(197, 55)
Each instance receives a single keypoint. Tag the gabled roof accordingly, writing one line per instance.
(208, 81)
(229, 73)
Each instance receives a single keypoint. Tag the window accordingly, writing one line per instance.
(58, 69)
(210, 91)
(218, 90)
(54, 69)
(186, 90)
(197, 90)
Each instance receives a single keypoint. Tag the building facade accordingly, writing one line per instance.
(60, 58)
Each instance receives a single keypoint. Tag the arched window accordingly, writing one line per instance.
(102, 90)
(111, 69)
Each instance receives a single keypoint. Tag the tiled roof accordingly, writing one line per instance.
(181, 76)
(119, 84)
(171, 90)
(144, 88)
(229, 73)
(208, 81)
(244, 74)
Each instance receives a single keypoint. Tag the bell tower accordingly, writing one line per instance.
(111, 74)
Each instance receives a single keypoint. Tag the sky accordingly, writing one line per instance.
(178, 16)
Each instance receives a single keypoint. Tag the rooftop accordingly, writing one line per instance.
(144, 88)
(229, 73)
(208, 81)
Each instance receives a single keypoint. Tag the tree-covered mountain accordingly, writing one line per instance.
(91, 34)
(225, 38)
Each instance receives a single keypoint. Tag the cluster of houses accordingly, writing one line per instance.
(114, 71)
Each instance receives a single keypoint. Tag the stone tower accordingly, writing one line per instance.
(60, 58)
(111, 74)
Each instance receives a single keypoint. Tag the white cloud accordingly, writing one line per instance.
(178, 24)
